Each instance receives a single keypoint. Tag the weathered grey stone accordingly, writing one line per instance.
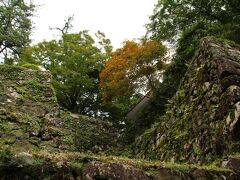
(204, 123)
(227, 67)
(113, 171)
(233, 163)
(28, 100)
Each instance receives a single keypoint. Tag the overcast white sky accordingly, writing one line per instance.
(118, 19)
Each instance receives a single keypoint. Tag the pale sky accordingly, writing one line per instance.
(118, 19)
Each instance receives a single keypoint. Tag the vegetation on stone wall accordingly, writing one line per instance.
(183, 24)
(193, 116)
(198, 126)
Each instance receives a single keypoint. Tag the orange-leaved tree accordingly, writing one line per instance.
(134, 68)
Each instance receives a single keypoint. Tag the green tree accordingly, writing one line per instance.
(172, 17)
(15, 27)
(75, 62)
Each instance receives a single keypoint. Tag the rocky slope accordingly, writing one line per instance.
(202, 122)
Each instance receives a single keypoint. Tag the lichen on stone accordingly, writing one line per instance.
(202, 121)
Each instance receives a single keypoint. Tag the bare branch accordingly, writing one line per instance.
(67, 26)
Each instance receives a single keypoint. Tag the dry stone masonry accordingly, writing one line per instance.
(39, 140)
(202, 122)
(30, 117)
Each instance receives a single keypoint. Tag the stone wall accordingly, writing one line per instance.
(38, 140)
(30, 118)
(29, 114)
(202, 121)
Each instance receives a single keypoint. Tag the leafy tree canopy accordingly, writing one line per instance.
(75, 62)
(133, 68)
(15, 27)
(172, 17)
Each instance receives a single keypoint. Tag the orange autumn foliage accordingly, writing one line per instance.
(130, 67)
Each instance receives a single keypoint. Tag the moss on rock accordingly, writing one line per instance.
(31, 117)
(40, 141)
(45, 165)
(202, 120)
